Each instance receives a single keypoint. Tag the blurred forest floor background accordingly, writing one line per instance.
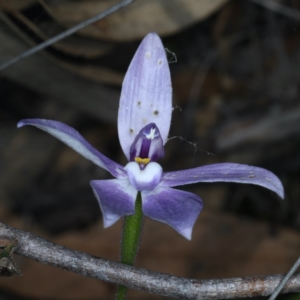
(236, 89)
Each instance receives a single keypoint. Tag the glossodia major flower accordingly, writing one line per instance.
(143, 124)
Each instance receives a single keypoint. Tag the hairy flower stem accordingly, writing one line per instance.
(131, 235)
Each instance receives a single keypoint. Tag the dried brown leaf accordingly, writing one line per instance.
(164, 17)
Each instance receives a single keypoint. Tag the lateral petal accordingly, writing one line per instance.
(178, 209)
(146, 95)
(116, 198)
(225, 172)
(73, 139)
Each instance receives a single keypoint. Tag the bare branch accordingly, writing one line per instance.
(66, 33)
(49, 253)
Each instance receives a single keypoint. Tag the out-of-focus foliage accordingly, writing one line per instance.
(35, 21)
(163, 17)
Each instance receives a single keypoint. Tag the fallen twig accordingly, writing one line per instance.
(49, 253)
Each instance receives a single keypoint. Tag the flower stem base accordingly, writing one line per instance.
(131, 235)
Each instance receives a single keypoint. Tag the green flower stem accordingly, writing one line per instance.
(132, 229)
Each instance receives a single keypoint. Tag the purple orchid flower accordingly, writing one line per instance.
(143, 124)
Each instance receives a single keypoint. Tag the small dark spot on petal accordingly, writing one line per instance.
(156, 112)
(131, 131)
(139, 103)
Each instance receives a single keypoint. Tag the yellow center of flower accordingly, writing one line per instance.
(143, 161)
